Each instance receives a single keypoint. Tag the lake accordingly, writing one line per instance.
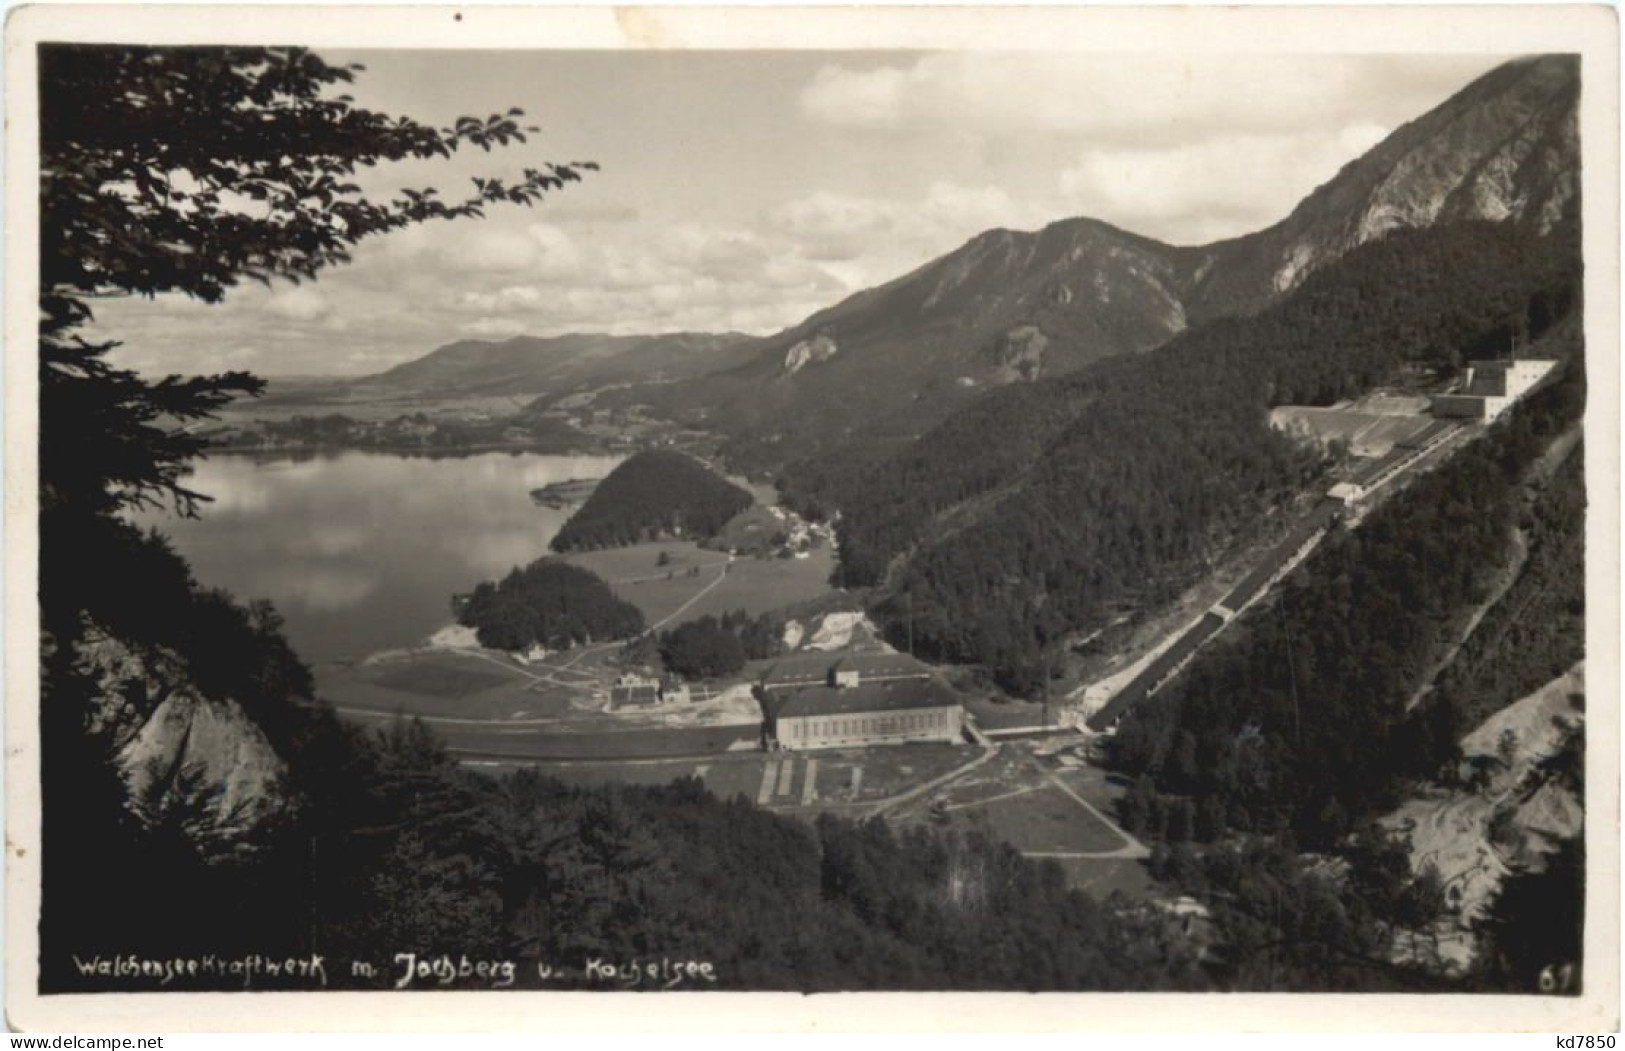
(362, 551)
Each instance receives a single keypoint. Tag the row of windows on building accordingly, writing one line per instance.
(869, 725)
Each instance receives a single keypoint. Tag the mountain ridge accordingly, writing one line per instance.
(526, 364)
(886, 363)
(1010, 306)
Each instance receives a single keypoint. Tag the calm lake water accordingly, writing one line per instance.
(362, 551)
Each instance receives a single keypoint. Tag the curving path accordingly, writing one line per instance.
(1131, 848)
(887, 805)
(548, 675)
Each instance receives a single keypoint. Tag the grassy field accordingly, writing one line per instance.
(439, 677)
(1041, 819)
(1102, 877)
(666, 594)
(1015, 798)
(848, 781)
(587, 739)
(439, 684)
(870, 775)
(725, 776)
(639, 562)
(779, 780)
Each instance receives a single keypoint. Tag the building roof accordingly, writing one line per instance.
(1142, 684)
(890, 665)
(868, 697)
(809, 668)
(798, 668)
(1487, 382)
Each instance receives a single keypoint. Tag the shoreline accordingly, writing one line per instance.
(312, 452)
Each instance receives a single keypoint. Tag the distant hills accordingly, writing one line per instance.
(558, 365)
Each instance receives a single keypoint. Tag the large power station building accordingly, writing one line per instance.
(856, 700)
(1491, 387)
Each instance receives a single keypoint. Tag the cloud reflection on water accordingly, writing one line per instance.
(362, 551)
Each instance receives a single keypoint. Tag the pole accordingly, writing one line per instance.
(1292, 670)
(1047, 672)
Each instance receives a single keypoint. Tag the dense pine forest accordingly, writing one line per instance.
(710, 646)
(549, 602)
(1259, 770)
(656, 493)
(1055, 507)
(1539, 624)
(1296, 721)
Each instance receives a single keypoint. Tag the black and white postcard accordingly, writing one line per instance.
(720, 505)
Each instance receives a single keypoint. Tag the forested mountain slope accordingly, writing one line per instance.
(1051, 508)
(1297, 720)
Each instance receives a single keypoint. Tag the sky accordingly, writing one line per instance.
(742, 191)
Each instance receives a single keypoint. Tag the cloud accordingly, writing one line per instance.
(301, 303)
(691, 275)
(540, 249)
(556, 254)
(717, 251)
(867, 98)
(508, 298)
(495, 251)
(1209, 190)
(1137, 101)
(772, 206)
(336, 539)
(836, 228)
(761, 272)
(495, 327)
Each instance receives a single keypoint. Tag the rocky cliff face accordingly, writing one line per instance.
(181, 755)
(808, 352)
(1475, 839)
(1020, 354)
(1504, 148)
